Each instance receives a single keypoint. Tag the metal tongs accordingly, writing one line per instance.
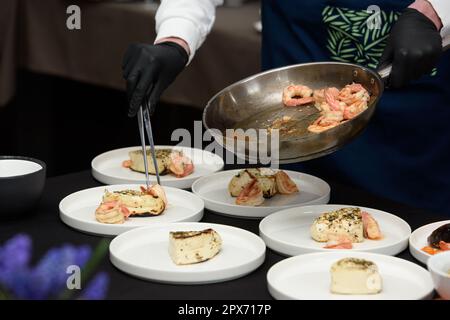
(144, 121)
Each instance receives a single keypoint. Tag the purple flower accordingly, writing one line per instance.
(50, 273)
(14, 258)
(48, 278)
(97, 288)
(16, 253)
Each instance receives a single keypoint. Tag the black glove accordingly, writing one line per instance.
(149, 70)
(414, 47)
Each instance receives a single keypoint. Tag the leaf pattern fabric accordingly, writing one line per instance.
(352, 37)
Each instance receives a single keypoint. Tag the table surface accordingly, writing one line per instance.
(47, 230)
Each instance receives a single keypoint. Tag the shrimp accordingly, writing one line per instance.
(331, 95)
(327, 121)
(353, 110)
(180, 165)
(251, 194)
(370, 226)
(336, 106)
(353, 93)
(112, 212)
(319, 97)
(297, 95)
(126, 164)
(285, 185)
(339, 242)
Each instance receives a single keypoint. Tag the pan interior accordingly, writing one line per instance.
(256, 102)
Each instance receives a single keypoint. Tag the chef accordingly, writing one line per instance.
(405, 152)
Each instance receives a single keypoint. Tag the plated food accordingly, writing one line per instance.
(179, 166)
(429, 240)
(169, 161)
(252, 186)
(336, 106)
(124, 207)
(187, 253)
(316, 228)
(217, 189)
(345, 226)
(189, 247)
(338, 275)
(355, 276)
(439, 240)
(118, 206)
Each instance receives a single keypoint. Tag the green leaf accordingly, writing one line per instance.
(338, 23)
(375, 33)
(375, 59)
(362, 13)
(385, 28)
(339, 47)
(376, 42)
(325, 10)
(331, 50)
(335, 57)
(366, 36)
(332, 38)
(342, 15)
(357, 18)
(348, 50)
(331, 18)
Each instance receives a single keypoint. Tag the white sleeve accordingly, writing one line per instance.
(190, 20)
(442, 8)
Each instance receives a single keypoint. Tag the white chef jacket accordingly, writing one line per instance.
(192, 20)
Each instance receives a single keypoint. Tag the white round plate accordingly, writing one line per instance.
(143, 253)
(213, 189)
(418, 240)
(287, 231)
(78, 210)
(107, 167)
(307, 277)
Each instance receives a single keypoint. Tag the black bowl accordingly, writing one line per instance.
(22, 181)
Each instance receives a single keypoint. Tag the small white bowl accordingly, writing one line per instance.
(439, 267)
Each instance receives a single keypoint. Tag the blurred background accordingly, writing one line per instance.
(62, 96)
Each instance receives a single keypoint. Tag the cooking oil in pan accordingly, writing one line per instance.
(290, 121)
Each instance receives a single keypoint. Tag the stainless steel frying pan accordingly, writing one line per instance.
(255, 102)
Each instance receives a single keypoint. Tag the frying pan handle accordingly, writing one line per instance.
(386, 71)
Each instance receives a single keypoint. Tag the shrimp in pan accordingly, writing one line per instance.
(297, 95)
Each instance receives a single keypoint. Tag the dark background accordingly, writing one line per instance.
(67, 123)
